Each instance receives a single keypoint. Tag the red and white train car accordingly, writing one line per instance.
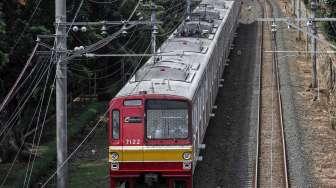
(158, 120)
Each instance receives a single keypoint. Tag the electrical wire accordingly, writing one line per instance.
(134, 10)
(10, 123)
(97, 45)
(27, 177)
(139, 63)
(29, 92)
(170, 31)
(99, 78)
(79, 68)
(41, 132)
(22, 143)
(173, 7)
(74, 152)
(76, 14)
(10, 94)
(19, 151)
(103, 42)
(103, 2)
(27, 77)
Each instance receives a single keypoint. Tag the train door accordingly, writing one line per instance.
(133, 131)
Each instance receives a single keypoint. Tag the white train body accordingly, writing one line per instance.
(192, 62)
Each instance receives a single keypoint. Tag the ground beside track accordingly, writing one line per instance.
(299, 159)
(230, 138)
(318, 137)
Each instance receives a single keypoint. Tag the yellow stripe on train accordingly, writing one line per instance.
(149, 153)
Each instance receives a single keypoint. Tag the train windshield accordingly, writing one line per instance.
(167, 119)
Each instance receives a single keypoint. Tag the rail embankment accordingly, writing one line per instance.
(315, 108)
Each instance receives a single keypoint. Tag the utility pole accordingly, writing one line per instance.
(188, 9)
(61, 93)
(299, 17)
(154, 27)
(307, 37)
(313, 44)
(294, 7)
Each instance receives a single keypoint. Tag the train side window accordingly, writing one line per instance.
(115, 124)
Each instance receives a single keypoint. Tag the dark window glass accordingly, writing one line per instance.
(167, 119)
(133, 102)
(115, 124)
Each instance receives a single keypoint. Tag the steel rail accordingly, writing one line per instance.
(279, 98)
(276, 66)
(261, 44)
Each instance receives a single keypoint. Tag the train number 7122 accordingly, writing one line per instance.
(132, 141)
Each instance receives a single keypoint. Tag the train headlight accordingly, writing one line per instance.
(186, 156)
(114, 156)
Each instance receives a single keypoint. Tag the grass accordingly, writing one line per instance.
(91, 167)
(89, 174)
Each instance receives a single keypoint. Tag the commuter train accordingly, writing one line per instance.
(158, 120)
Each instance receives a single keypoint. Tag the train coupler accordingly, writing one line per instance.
(150, 179)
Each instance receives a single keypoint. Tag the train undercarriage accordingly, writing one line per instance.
(152, 180)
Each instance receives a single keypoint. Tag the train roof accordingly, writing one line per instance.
(183, 57)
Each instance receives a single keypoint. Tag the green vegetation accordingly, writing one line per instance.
(45, 162)
(94, 173)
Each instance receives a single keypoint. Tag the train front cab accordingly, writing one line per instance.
(150, 141)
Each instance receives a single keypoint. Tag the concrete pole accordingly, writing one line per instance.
(61, 93)
(154, 28)
(299, 17)
(307, 37)
(313, 44)
(294, 7)
(188, 8)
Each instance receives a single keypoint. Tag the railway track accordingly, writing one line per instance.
(271, 161)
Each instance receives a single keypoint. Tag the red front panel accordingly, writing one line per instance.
(132, 133)
(128, 131)
(165, 169)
